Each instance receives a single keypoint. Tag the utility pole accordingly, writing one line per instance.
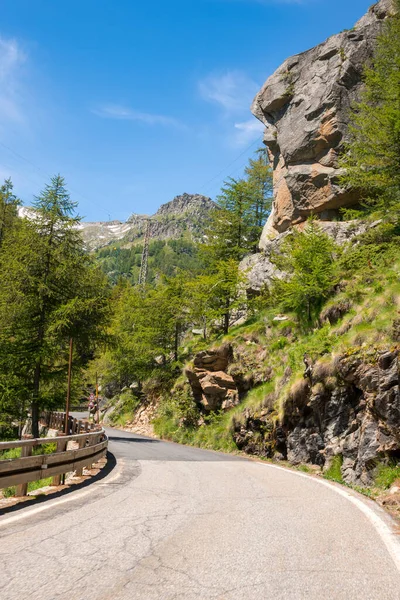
(66, 429)
(145, 255)
(97, 399)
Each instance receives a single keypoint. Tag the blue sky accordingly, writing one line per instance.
(135, 102)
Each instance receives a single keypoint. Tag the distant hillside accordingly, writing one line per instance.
(166, 257)
(183, 216)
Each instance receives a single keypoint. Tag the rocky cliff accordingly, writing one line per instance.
(348, 408)
(185, 213)
(305, 108)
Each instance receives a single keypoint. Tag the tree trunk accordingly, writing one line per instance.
(204, 328)
(309, 310)
(176, 341)
(227, 316)
(35, 400)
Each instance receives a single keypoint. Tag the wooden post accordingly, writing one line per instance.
(79, 472)
(68, 387)
(61, 446)
(97, 399)
(22, 489)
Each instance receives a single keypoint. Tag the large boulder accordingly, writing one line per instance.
(213, 389)
(305, 107)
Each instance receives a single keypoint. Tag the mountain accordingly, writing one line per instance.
(185, 215)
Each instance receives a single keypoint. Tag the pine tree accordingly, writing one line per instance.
(8, 208)
(372, 160)
(50, 292)
(259, 175)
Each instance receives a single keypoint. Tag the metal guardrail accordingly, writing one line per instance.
(92, 445)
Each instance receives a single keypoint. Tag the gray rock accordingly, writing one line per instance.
(305, 108)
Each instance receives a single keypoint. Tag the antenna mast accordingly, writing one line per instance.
(145, 255)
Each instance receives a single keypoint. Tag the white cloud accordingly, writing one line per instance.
(11, 60)
(233, 91)
(123, 113)
(247, 131)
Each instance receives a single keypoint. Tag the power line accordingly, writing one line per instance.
(232, 163)
(76, 193)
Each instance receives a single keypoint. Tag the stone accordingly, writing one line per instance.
(358, 418)
(212, 387)
(305, 108)
(214, 360)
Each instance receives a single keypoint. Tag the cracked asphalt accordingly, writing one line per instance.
(178, 523)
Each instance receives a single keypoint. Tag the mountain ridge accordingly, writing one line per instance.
(185, 214)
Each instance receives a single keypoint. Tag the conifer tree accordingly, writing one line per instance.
(259, 175)
(8, 207)
(50, 292)
(308, 260)
(372, 160)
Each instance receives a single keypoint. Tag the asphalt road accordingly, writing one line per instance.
(177, 523)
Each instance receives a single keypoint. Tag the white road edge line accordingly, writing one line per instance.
(388, 536)
(53, 503)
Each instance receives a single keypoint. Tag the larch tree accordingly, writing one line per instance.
(50, 292)
(372, 158)
(8, 208)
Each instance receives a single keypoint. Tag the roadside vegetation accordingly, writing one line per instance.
(332, 300)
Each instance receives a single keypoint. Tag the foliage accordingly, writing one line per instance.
(308, 260)
(165, 258)
(8, 208)
(373, 156)
(50, 292)
(243, 207)
(387, 474)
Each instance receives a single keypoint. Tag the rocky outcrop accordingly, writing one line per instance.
(185, 213)
(305, 108)
(260, 269)
(349, 409)
(213, 389)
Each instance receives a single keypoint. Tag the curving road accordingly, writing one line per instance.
(177, 523)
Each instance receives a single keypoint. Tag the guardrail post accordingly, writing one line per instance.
(22, 489)
(82, 443)
(61, 446)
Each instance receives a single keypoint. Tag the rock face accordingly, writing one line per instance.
(213, 389)
(305, 108)
(185, 213)
(357, 418)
